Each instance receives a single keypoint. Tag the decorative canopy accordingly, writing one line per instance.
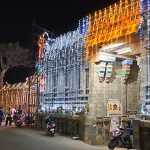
(108, 25)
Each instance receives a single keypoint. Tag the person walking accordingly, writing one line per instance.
(1, 115)
(8, 117)
(13, 112)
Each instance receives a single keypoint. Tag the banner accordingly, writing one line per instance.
(114, 107)
(115, 123)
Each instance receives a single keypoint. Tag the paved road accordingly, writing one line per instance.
(27, 139)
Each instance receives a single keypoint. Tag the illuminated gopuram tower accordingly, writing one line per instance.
(144, 107)
(102, 72)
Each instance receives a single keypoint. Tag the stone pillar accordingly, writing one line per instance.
(101, 92)
(96, 94)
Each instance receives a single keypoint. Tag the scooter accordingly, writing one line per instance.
(51, 128)
(19, 120)
(121, 138)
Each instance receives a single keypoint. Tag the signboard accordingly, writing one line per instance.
(115, 123)
(125, 71)
(101, 68)
(109, 70)
(121, 73)
(114, 107)
(106, 57)
(127, 62)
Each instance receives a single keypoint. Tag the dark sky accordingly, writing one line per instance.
(57, 16)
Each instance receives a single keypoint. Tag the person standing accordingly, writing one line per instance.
(19, 111)
(8, 117)
(13, 112)
(1, 116)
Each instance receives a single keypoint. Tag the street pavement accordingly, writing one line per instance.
(12, 138)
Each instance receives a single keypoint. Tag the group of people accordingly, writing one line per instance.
(9, 115)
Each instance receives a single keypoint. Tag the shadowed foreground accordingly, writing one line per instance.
(26, 139)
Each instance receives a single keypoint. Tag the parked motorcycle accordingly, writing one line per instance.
(121, 138)
(19, 119)
(51, 128)
(29, 119)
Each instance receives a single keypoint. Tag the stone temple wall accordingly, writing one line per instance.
(100, 93)
(97, 132)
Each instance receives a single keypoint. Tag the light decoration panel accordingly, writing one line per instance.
(108, 25)
(144, 105)
(52, 47)
(61, 64)
(83, 25)
(41, 44)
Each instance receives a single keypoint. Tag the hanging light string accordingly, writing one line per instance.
(144, 29)
(118, 20)
(64, 54)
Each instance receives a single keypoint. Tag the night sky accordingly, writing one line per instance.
(58, 16)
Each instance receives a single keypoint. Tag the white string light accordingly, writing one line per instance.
(63, 59)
